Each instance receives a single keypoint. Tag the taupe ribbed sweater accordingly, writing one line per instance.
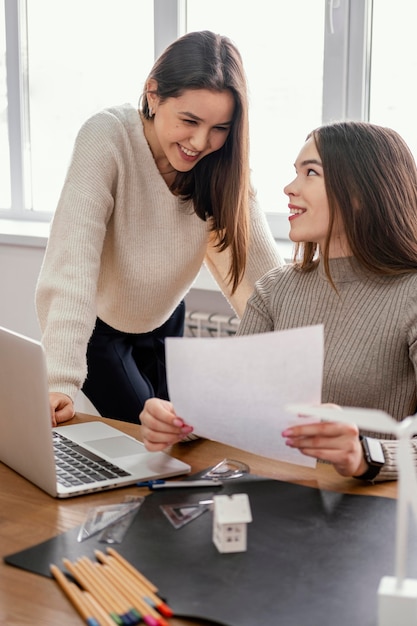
(122, 247)
(370, 334)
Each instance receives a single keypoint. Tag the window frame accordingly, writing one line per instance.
(17, 109)
(346, 73)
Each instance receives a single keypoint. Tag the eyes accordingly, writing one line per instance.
(309, 171)
(222, 129)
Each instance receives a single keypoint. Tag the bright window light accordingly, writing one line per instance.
(283, 56)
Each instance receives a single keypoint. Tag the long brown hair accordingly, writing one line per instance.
(370, 177)
(218, 185)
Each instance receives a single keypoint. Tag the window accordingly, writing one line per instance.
(393, 98)
(283, 59)
(307, 62)
(5, 195)
(93, 54)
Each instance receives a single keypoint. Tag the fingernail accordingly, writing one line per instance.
(178, 422)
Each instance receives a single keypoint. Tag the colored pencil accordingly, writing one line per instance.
(129, 588)
(148, 615)
(128, 577)
(97, 609)
(111, 591)
(132, 569)
(75, 595)
(86, 583)
(99, 582)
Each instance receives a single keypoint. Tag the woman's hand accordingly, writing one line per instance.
(62, 408)
(335, 442)
(161, 426)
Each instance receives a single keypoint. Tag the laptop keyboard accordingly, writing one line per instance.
(77, 466)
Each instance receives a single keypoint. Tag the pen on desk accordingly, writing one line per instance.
(171, 484)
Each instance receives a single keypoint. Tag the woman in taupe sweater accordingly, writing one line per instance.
(353, 217)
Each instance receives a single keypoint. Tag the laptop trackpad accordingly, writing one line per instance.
(116, 446)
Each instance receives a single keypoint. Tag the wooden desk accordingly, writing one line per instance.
(29, 516)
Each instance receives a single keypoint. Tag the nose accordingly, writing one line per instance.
(290, 189)
(200, 139)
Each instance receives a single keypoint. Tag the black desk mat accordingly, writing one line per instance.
(314, 558)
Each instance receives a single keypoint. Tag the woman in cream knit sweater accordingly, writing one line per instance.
(149, 197)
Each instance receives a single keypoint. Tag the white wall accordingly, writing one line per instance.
(19, 269)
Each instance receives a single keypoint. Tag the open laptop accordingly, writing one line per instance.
(27, 439)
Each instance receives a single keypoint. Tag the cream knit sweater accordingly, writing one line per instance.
(123, 248)
(370, 334)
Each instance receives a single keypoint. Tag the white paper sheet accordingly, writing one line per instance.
(234, 389)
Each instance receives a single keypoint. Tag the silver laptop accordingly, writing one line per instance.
(32, 448)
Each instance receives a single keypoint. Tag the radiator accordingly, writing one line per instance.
(202, 324)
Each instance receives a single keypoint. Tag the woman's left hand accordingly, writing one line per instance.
(335, 442)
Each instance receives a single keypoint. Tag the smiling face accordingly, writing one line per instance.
(309, 208)
(188, 128)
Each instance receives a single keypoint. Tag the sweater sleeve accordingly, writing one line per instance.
(389, 471)
(67, 285)
(263, 255)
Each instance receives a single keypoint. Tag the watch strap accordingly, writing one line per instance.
(374, 456)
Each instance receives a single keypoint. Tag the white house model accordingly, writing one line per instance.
(230, 516)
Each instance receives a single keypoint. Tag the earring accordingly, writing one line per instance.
(150, 112)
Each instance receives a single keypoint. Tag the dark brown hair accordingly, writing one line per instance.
(218, 185)
(370, 177)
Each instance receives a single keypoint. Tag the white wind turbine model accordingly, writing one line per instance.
(397, 594)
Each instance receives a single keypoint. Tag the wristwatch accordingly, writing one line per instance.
(374, 456)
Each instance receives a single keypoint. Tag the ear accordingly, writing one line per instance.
(151, 89)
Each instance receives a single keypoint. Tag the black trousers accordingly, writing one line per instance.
(126, 369)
